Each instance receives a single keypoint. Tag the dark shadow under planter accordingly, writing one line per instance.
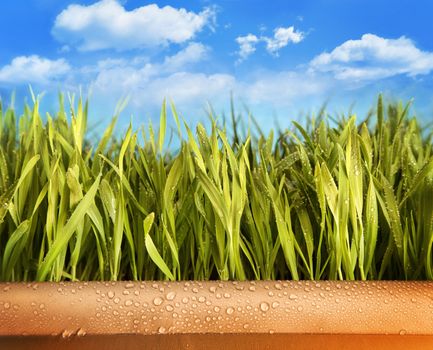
(211, 315)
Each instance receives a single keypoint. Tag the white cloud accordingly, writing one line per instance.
(148, 83)
(373, 57)
(282, 88)
(194, 52)
(282, 37)
(247, 45)
(107, 24)
(33, 69)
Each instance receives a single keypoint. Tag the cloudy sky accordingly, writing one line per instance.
(279, 58)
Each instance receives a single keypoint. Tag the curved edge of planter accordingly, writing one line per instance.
(214, 307)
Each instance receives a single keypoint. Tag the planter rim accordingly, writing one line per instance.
(211, 307)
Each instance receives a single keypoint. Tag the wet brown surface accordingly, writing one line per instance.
(222, 341)
(79, 310)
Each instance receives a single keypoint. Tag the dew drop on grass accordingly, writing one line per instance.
(264, 306)
(157, 301)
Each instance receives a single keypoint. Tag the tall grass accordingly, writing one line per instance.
(341, 200)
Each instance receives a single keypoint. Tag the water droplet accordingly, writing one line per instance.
(116, 300)
(299, 308)
(252, 288)
(278, 286)
(202, 299)
(6, 305)
(171, 295)
(275, 304)
(217, 309)
(226, 295)
(185, 300)
(402, 332)
(230, 310)
(129, 285)
(293, 297)
(195, 290)
(81, 332)
(111, 294)
(66, 334)
(157, 301)
(42, 306)
(413, 300)
(264, 306)
(162, 330)
(212, 289)
(125, 292)
(128, 303)
(169, 308)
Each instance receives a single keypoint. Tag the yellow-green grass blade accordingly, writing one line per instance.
(151, 249)
(68, 230)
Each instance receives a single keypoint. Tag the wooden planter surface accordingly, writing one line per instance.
(242, 315)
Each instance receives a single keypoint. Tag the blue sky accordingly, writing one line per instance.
(279, 58)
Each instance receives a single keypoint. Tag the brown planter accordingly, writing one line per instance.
(211, 315)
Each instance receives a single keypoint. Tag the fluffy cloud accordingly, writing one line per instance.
(148, 83)
(194, 52)
(107, 24)
(373, 57)
(247, 45)
(282, 37)
(33, 69)
(282, 88)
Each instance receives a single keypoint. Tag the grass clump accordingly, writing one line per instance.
(345, 200)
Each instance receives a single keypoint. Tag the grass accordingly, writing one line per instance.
(331, 200)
